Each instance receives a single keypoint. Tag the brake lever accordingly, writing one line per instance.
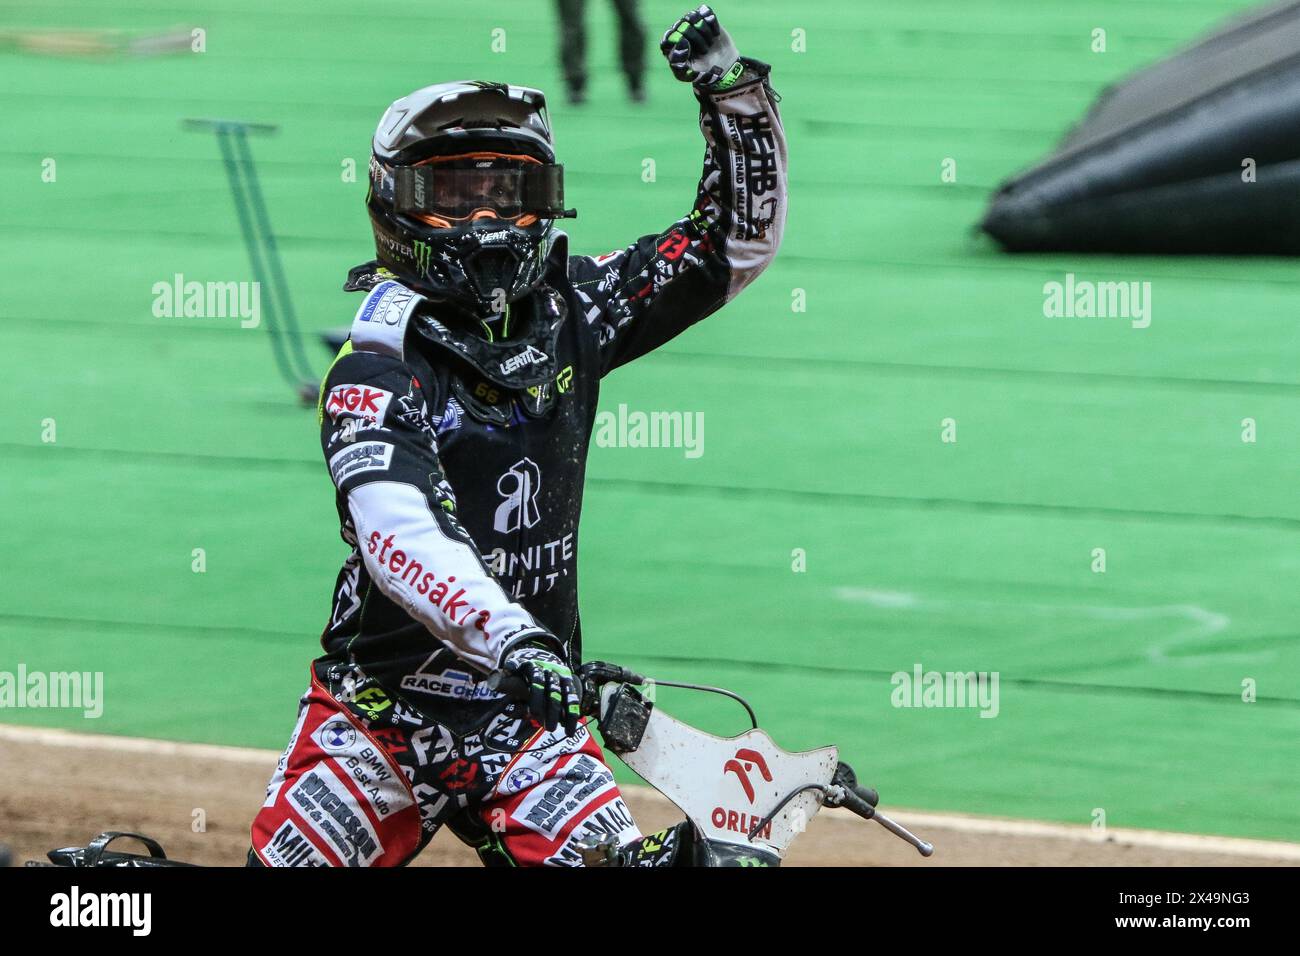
(602, 672)
(839, 796)
(845, 791)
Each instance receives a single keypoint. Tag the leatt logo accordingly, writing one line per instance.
(529, 356)
(743, 764)
(518, 486)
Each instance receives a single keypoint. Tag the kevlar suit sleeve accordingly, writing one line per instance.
(637, 298)
(382, 454)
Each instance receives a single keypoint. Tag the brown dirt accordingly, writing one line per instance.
(59, 795)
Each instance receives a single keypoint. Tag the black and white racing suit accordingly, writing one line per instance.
(460, 499)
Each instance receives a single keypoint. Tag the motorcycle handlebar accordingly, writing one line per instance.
(858, 804)
(594, 675)
(508, 685)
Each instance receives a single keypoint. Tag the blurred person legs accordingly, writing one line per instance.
(631, 47)
(573, 47)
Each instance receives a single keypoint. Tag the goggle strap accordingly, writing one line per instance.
(408, 184)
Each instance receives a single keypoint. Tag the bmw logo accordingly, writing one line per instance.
(337, 734)
(522, 779)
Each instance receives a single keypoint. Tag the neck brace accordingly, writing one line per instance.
(525, 360)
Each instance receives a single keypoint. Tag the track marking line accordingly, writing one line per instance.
(1200, 623)
(920, 819)
(47, 737)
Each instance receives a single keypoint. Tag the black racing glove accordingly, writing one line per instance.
(553, 694)
(700, 51)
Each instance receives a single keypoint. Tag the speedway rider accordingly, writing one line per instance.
(455, 423)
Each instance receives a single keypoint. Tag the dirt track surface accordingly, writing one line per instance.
(57, 791)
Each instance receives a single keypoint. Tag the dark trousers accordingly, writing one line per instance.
(573, 42)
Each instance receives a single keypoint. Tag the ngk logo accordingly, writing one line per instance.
(358, 401)
(743, 764)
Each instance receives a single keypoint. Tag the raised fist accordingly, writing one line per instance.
(700, 51)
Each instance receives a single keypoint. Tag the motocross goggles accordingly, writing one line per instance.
(455, 188)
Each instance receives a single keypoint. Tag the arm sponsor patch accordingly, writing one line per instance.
(380, 324)
(360, 457)
(357, 401)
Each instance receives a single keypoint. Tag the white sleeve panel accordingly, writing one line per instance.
(438, 579)
(747, 146)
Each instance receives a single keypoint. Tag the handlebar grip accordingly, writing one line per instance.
(516, 688)
(595, 675)
(853, 801)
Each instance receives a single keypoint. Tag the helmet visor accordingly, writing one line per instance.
(458, 188)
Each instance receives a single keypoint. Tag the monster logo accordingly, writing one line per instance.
(423, 254)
